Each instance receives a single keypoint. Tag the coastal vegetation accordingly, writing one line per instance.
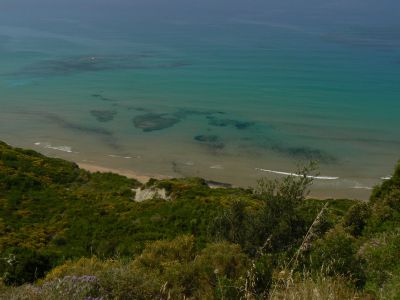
(66, 233)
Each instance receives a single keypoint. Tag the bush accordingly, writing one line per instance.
(263, 274)
(277, 219)
(164, 269)
(20, 266)
(356, 218)
(336, 254)
(381, 256)
(164, 248)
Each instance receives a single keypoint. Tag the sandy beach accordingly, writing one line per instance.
(127, 173)
(141, 178)
(358, 194)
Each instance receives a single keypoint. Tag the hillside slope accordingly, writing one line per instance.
(86, 232)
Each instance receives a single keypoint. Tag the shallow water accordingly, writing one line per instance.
(226, 98)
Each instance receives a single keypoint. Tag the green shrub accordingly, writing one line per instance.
(381, 256)
(336, 254)
(171, 249)
(19, 266)
(356, 218)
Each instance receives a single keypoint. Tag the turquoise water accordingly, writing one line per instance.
(221, 99)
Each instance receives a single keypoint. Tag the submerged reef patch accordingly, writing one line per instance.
(206, 138)
(78, 127)
(212, 141)
(95, 63)
(69, 65)
(102, 98)
(107, 136)
(103, 115)
(142, 109)
(183, 113)
(213, 121)
(153, 122)
(305, 153)
(132, 107)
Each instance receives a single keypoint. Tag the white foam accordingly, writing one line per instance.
(386, 178)
(359, 186)
(298, 175)
(60, 148)
(120, 156)
(219, 167)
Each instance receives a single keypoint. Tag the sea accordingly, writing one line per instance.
(230, 92)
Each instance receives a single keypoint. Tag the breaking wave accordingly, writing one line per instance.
(298, 175)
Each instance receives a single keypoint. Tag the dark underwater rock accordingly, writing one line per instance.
(183, 113)
(206, 138)
(212, 141)
(60, 66)
(60, 121)
(69, 65)
(102, 98)
(152, 122)
(103, 115)
(305, 153)
(213, 121)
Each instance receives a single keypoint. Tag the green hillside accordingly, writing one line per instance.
(66, 233)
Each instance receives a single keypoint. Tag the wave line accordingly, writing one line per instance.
(298, 175)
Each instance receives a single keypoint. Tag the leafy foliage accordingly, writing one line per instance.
(51, 206)
(24, 265)
(86, 232)
(365, 244)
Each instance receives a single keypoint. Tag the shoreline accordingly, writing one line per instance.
(319, 195)
(142, 178)
(317, 191)
(127, 173)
